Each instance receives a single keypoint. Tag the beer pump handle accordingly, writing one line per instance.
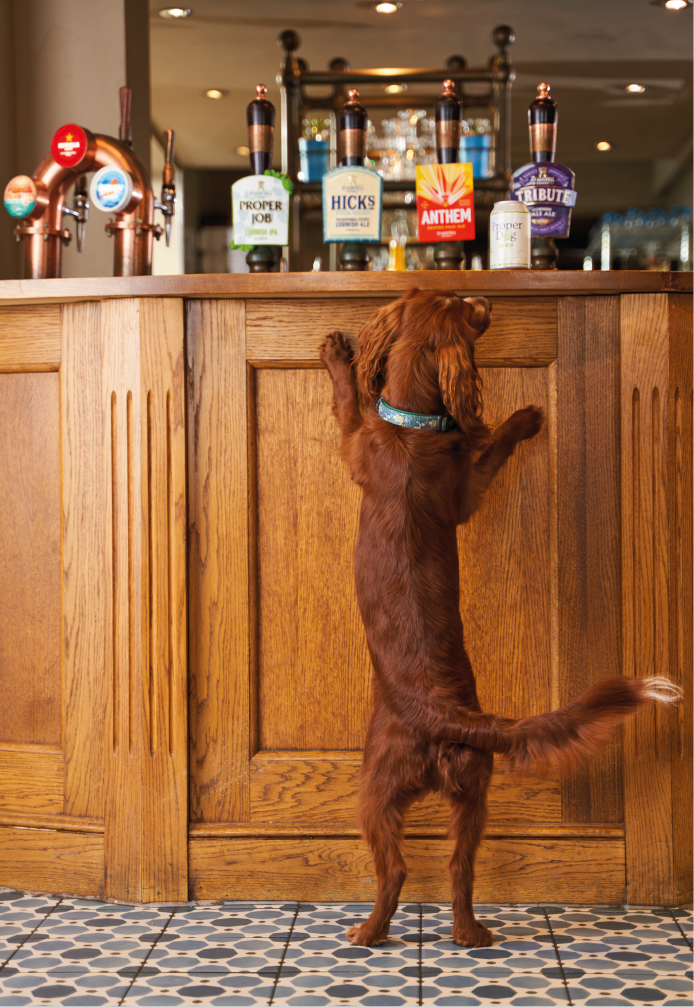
(169, 138)
(168, 188)
(80, 202)
(447, 112)
(125, 133)
(260, 119)
(542, 125)
(353, 122)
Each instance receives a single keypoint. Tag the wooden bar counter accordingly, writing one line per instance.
(184, 675)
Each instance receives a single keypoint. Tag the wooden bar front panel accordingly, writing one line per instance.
(578, 566)
(92, 585)
(291, 761)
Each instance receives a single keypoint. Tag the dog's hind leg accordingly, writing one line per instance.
(383, 802)
(468, 815)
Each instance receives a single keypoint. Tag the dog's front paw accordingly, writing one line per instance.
(474, 936)
(525, 423)
(335, 350)
(362, 935)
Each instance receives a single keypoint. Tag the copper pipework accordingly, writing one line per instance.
(133, 228)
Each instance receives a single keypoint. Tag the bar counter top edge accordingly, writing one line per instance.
(372, 284)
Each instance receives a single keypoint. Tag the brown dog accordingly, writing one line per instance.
(427, 732)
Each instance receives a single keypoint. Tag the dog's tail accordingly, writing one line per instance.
(574, 730)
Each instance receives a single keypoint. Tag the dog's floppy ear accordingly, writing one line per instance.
(481, 315)
(461, 390)
(375, 341)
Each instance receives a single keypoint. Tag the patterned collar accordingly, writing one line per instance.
(416, 421)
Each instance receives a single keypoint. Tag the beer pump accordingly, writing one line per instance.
(447, 115)
(260, 119)
(120, 186)
(353, 123)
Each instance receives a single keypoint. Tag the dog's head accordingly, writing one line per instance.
(418, 353)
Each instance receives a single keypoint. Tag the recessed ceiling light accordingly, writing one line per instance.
(603, 145)
(395, 88)
(175, 13)
(216, 93)
(382, 6)
(635, 88)
(243, 151)
(672, 4)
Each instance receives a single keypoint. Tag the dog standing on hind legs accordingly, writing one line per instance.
(409, 410)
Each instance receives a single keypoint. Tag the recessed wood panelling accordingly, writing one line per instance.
(163, 461)
(30, 632)
(30, 338)
(655, 372)
(123, 735)
(63, 862)
(505, 563)
(588, 522)
(314, 788)
(680, 533)
(507, 870)
(523, 331)
(218, 581)
(647, 770)
(31, 781)
(314, 669)
(84, 629)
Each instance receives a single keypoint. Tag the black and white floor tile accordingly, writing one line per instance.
(238, 954)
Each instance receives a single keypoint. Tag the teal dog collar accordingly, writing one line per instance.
(415, 421)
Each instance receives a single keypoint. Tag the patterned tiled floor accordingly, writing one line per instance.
(237, 954)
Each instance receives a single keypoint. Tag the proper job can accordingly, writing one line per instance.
(509, 236)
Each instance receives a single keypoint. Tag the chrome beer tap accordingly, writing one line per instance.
(167, 204)
(80, 210)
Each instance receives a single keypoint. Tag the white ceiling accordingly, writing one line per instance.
(588, 49)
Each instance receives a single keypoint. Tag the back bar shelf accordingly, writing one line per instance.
(484, 89)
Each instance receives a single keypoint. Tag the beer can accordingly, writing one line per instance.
(509, 236)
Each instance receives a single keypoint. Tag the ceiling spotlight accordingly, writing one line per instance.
(635, 88)
(603, 145)
(672, 4)
(387, 8)
(243, 151)
(395, 88)
(216, 93)
(175, 13)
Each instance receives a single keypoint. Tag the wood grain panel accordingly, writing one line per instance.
(84, 587)
(54, 823)
(218, 562)
(164, 519)
(30, 338)
(30, 558)
(680, 516)
(314, 669)
(523, 331)
(505, 563)
(498, 830)
(123, 736)
(645, 573)
(317, 788)
(60, 862)
(588, 524)
(31, 782)
(507, 870)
